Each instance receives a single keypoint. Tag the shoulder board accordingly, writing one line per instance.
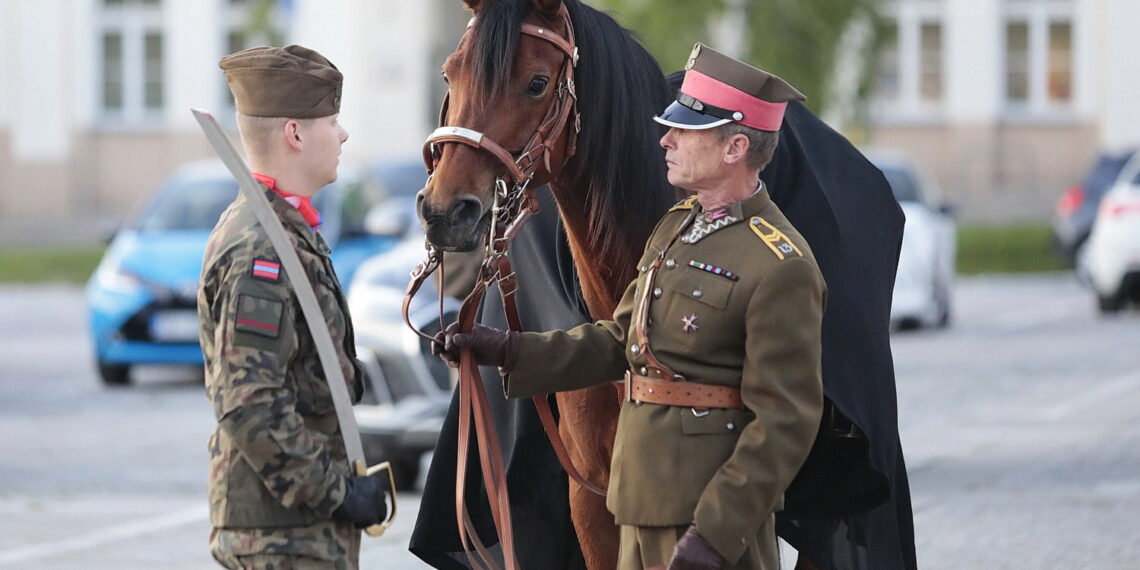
(775, 239)
(686, 204)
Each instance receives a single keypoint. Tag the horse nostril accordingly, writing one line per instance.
(466, 212)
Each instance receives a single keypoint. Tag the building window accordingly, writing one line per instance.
(930, 62)
(132, 61)
(1017, 62)
(1039, 55)
(1060, 65)
(909, 71)
(887, 79)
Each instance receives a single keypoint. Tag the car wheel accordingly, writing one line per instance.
(942, 301)
(115, 374)
(1111, 303)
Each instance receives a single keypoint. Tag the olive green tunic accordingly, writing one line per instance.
(725, 471)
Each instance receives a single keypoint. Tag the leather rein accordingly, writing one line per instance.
(513, 205)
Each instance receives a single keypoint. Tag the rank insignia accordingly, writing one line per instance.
(714, 270)
(258, 316)
(775, 239)
(267, 270)
(689, 323)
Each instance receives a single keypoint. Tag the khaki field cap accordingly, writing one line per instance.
(291, 81)
(719, 90)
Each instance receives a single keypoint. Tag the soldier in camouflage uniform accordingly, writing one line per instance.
(282, 495)
(719, 341)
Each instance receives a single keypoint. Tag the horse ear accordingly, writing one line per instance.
(473, 5)
(548, 8)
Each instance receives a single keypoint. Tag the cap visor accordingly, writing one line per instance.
(679, 116)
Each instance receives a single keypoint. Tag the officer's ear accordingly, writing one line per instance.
(736, 148)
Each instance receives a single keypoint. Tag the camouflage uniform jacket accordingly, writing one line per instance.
(738, 301)
(277, 458)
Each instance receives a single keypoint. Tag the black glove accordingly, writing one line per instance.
(693, 553)
(492, 347)
(363, 504)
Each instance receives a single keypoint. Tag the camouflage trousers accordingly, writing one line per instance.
(321, 546)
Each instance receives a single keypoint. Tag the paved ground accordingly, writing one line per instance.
(1021, 424)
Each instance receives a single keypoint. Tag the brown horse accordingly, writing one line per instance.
(610, 193)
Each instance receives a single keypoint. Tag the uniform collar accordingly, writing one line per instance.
(292, 219)
(704, 223)
(304, 204)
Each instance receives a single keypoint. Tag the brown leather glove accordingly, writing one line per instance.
(693, 553)
(492, 347)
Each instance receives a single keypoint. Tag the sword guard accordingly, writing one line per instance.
(378, 471)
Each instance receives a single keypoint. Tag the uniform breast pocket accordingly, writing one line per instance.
(694, 290)
(695, 320)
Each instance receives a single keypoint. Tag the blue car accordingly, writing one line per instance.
(143, 295)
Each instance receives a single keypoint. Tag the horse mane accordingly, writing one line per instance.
(615, 186)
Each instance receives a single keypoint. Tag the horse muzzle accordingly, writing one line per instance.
(458, 226)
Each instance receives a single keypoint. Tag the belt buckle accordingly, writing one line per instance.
(628, 387)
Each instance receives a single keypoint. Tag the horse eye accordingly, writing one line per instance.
(443, 74)
(537, 86)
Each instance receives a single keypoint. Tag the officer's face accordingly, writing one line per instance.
(322, 139)
(694, 158)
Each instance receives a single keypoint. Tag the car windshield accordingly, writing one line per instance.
(188, 205)
(903, 184)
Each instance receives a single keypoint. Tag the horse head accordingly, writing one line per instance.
(509, 117)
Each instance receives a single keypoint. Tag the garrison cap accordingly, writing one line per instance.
(292, 81)
(718, 90)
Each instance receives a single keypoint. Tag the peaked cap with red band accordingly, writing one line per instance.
(718, 90)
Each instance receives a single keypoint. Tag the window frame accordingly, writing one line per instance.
(910, 19)
(134, 21)
(1040, 18)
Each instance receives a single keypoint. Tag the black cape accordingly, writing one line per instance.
(845, 210)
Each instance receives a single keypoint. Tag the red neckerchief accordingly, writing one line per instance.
(304, 204)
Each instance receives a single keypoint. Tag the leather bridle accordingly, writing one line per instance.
(513, 205)
(521, 168)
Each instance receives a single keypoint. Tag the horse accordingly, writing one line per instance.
(608, 182)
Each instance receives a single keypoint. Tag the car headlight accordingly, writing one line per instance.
(114, 278)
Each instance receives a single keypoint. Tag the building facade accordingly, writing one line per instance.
(1005, 102)
(96, 99)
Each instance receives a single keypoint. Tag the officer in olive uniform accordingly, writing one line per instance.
(281, 490)
(718, 340)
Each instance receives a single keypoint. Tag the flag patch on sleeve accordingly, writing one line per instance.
(265, 269)
(258, 316)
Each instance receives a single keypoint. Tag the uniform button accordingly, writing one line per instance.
(644, 371)
(698, 292)
(731, 426)
(671, 263)
(636, 349)
(643, 269)
(656, 292)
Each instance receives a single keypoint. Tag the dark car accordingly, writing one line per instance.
(1076, 209)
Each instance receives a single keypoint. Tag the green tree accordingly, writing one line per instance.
(795, 39)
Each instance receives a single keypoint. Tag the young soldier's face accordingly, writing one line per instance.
(694, 157)
(322, 138)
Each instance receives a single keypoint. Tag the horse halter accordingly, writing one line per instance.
(521, 169)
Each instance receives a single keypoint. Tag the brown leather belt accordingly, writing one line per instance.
(681, 393)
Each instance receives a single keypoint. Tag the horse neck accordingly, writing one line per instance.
(602, 275)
